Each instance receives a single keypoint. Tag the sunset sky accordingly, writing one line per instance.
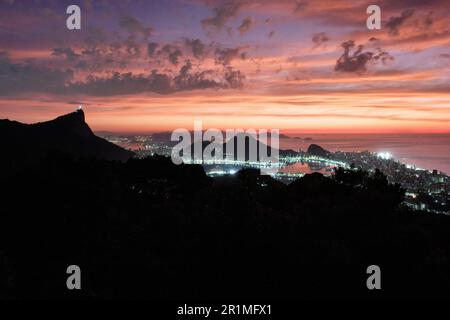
(295, 65)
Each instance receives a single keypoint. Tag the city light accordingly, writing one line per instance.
(384, 155)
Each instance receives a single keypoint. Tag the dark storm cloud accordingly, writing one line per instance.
(174, 56)
(109, 52)
(194, 50)
(394, 23)
(132, 48)
(171, 52)
(197, 47)
(134, 26)
(245, 25)
(99, 59)
(158, 82)
(151, 48)
(188, 80)
(68, 53)
(28, 76)
(100, 51)
(122, 83)
(319, 38)
(226, 55)
(224, 11)
(234, 78)
(358, 61)
(18, 78)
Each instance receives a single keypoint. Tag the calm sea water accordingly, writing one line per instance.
(424, 151)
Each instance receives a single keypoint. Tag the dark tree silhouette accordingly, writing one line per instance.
(150, 229)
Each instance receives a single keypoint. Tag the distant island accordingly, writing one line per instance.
(304, 139)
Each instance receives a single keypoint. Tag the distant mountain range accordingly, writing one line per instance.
(22, 143)
(248, 142)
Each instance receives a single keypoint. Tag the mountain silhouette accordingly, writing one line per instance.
(317, 150)
(249, 141)
(70, 134)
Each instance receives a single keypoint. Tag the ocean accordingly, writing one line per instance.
(426, 151)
